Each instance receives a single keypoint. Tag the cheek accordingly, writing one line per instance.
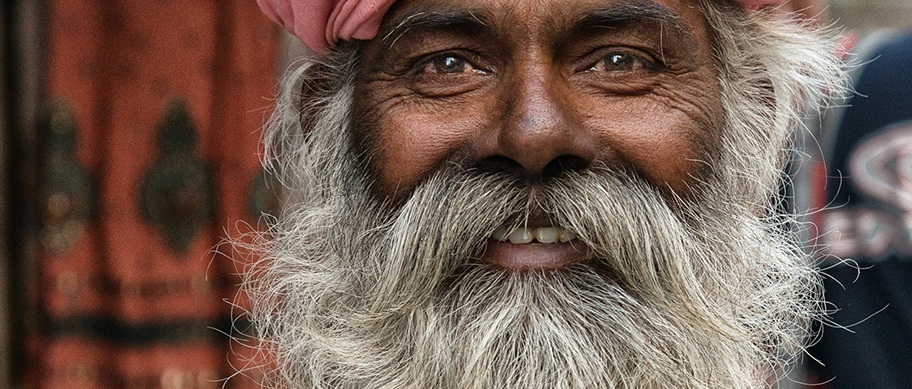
(412, 141)
(663, 136)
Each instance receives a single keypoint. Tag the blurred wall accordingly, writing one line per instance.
(21, 76)
(4, 259)
(88, 313)
(868, 15)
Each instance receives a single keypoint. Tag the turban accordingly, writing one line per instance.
(321, 24)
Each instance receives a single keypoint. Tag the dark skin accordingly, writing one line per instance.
(537, 87)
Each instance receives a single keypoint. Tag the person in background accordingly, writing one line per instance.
(866, 225)
(859, 188)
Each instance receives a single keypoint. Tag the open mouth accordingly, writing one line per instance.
(544, 246)
(524, 235)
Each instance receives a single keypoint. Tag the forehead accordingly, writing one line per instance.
(541, 18)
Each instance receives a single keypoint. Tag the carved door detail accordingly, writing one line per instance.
(177, 194)
(151, 146)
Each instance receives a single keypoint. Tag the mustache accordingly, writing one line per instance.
(657, 273)
(444, 224)
(672, 280)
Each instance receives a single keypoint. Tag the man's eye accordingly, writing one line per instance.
(447, 64)
(621, 62)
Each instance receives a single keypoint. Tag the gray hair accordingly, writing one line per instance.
(701, 293)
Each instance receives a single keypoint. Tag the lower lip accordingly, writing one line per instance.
(533, 255)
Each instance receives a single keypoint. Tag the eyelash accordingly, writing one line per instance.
(422, 64)
(646, 62)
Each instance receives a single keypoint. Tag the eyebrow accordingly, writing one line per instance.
(622, 14)
(470, 21)
(463, 20)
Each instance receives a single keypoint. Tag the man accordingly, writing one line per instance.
(537, 194)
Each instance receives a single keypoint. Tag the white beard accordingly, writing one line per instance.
(361, 296)
(701, 293)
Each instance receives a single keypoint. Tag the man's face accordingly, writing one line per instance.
(628, 149)
(535, 89)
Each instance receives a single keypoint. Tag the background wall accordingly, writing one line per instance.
(867, 15)
(22, 67)
(5, 297)
(133, 151)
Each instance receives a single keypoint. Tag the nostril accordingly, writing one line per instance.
(501, 164)
(554, 168)
(564, 163)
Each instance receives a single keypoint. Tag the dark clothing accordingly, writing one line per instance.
(869, 192)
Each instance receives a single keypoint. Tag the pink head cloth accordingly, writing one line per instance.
(321, 24)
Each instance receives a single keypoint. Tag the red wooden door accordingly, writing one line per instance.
(149, 159)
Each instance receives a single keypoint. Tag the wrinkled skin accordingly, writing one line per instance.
(652, 138)
(535, 87)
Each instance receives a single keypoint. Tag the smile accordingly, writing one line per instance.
(525, 235)
(544, 247)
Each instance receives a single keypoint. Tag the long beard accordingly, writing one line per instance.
(367, 295)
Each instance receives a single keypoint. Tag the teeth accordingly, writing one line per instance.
(521, 235)
(499, 234)
(547, 234)
(566, 236)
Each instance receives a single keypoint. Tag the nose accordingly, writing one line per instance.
(538, 135)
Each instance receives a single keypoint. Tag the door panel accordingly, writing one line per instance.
(163, 101)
